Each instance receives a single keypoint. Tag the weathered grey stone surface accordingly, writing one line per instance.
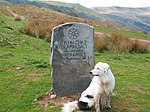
(72, 57)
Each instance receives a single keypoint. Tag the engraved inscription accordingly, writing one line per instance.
(74, 55)
(77, 44)
(73, 33)
(74, 49)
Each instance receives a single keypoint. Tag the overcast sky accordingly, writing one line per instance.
(104, 3)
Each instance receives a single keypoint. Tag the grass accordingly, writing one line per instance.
(25, 73)
(132, 87)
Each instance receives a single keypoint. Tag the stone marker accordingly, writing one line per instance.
(72, 57)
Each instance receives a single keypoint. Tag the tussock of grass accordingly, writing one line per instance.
(116, 42)
(119, 43)
(100, 43)
(41, 28)
(140, 46)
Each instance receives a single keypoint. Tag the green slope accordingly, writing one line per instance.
(25, 73)
(24, 68)
(128, 33)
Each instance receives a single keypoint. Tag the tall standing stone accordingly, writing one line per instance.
(72, 57)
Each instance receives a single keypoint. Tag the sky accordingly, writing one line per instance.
(105, 3)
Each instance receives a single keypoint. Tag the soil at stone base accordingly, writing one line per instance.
(46, 99)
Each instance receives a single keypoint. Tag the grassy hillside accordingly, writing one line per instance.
(24, 68)
(129, 33)
(53, 18)
(25, 73)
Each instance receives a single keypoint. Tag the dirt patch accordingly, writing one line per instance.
(141, 40)
(16, 16)
(47, 99)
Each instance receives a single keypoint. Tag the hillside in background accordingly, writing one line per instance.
(67, 8)
(40, 21)
(130, 18)
(135, 18)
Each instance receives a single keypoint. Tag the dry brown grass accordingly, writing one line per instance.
(38, 28)
(42, 28)
(115, 42)
(41, 21)
(101, 43)
(119, 43)
(139, 46)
